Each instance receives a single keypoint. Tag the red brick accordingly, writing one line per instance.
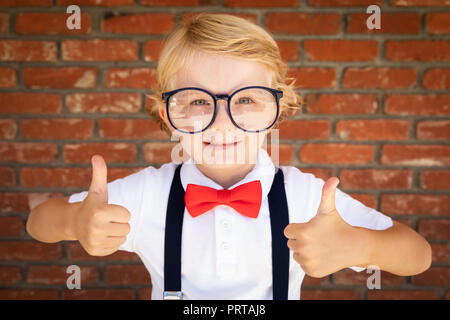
(8, 129)
(336, 153)
(436, 79)
(75, 252)
(285, 154)
(305, 129)
(310, 281)
(435, 229)
(415, 204)
(430, 104)
(391, 23)
(28, 294)
(50, 23)
(440, 252)
(307, 294)
(418, 50)
(435, 276)
(99, 294)
(375, 179)
(416, 155)
(381, 129)
(13, 202)
(435, 180)
(152, 50)
(288, 50)
(310, 78)
(416, 3)
(102, 3)
(261, 3)
(7, 177)
(173, 2)
(350, 277)
(401, 295)
(26, 3)
(158, 152)
(433, 130)
(341, 50)
(28, 103)
(145, 294)
(4, 22)
(344, 103)
(56, 128)
(27, 50)
(11, 227)
(60, 78)
(7, 77)
(111, 152)
(126, 274)
(117, 173)
(53, 275)
(438, 23)
(144, 78)
(55, 177)
(99, 50)
(303, 23)
(321, 173)
(10, 275)
(130, 129)
(108, 102)
(368, 200)
(379, 78)
(28, 152)
(343, 3)
(29, 251)
(186, 17)
(147, 23)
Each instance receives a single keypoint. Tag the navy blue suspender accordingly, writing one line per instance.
(279, 219)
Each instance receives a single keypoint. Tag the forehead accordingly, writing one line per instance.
(221, 74)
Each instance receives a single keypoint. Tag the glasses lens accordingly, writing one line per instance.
(253, 109)
(191, 110)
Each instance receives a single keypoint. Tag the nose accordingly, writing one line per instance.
(222, 121)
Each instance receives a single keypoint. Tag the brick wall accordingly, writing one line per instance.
(377, 116)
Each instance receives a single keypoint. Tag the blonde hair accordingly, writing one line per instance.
(227, 35)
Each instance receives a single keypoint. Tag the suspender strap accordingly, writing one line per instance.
(172, 240)
(279, 219)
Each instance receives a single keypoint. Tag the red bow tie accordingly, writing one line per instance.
(245, 199)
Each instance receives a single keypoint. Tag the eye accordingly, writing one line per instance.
(200, 102)
(245, 100)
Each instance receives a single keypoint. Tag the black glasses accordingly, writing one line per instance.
(251, 109)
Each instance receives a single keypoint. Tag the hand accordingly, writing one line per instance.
(100, 227)
(326, 243)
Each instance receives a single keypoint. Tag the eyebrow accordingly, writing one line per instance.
(241, 85)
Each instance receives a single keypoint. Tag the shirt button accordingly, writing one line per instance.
(225, 224)
(225, 246)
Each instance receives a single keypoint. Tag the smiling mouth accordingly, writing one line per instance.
(221, 145)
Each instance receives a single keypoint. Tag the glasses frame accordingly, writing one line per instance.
(276, 93)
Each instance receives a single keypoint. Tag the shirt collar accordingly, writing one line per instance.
(264, 171)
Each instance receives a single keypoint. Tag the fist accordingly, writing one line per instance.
(100, 227)
(326, 243)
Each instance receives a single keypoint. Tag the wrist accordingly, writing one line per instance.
(366, 249)
(70, 221)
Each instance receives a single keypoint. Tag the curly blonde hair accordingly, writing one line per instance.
(227, 35)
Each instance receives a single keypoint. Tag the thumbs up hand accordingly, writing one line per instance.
(326, 243)
(100, 227)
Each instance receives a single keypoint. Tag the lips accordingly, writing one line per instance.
(220, 145)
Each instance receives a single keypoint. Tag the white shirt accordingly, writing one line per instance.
(225, 255)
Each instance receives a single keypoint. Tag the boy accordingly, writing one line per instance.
(227, 224)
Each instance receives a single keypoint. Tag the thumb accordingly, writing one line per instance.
(327, 204)
(99, 185)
